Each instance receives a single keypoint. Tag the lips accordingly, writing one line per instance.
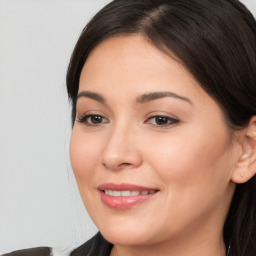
(125, 196)
(128, 192)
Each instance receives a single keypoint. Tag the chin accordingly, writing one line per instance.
(128, 231)
(125, 237)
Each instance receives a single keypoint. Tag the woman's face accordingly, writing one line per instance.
(150, 150)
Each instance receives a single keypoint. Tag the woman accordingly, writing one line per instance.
(163, 146)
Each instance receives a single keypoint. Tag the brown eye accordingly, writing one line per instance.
(162, 121)
(94, 119)
(91, 120)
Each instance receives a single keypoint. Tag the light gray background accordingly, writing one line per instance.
(39, 201)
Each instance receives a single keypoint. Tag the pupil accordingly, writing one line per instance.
(96, 119)
(161, 120)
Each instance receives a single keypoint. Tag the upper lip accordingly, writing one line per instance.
(124, 187)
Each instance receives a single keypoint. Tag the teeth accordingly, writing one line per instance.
(116, 193)
(128, 193)
(134, 193)
(125, 193)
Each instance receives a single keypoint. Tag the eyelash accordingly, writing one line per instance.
(169, 121)
(87, 120)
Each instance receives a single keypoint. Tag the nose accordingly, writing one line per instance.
(121, 150)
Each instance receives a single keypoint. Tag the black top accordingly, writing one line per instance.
(96, 246)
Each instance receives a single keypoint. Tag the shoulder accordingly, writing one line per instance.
(40, 251)
(96, 246)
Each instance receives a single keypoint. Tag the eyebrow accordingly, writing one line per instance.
(91, 95)
(158, 95)
(141, 99)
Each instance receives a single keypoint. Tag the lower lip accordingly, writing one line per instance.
(123, 202)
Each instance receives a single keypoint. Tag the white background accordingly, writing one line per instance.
(39, 202)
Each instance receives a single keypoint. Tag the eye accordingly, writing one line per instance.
(162, 121)
(92, 120)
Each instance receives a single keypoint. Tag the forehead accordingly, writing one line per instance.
(132, 61)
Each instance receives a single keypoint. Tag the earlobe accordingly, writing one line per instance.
(246, 164)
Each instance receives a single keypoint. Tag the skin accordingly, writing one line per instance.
(191, 161)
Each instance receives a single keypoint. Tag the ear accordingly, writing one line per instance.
(246, 164)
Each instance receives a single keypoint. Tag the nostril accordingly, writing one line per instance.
(124, 164)
(116, 167)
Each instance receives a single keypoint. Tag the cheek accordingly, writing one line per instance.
(83, 156)
(189, 157)
(192, 168)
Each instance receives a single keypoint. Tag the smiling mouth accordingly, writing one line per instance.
(125, 196)
(128, 193)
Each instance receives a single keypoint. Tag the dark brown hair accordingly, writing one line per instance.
(215, 40)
